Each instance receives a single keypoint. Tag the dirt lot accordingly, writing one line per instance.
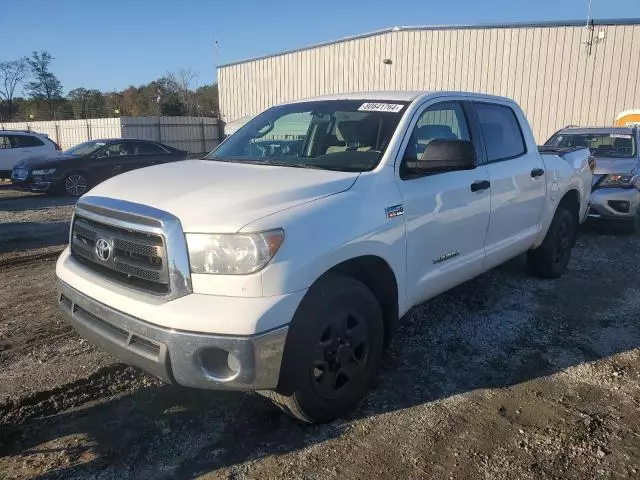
(505, 377)
(29, 221)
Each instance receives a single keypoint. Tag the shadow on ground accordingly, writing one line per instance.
(23, 236)
(498, 330)
(23, 201)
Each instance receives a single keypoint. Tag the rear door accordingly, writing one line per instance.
(144, 154)
(518, 185)
(446, 218)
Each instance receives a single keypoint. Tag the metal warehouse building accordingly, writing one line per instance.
(561, 73)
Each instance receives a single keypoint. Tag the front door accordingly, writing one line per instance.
(518, 186)
(108, 162)
(8, 155)
(446, 219)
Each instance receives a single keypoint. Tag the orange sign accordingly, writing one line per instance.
(628, 118)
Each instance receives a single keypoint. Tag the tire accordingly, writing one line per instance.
(75, 184)
(633, 225)
(333, 351)
(551, 258)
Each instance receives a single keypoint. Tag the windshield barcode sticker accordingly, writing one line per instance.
(380, 107)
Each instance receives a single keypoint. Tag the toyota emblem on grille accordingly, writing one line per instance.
(103, 249)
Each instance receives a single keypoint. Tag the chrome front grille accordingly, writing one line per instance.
(136, 246)
(135, 258)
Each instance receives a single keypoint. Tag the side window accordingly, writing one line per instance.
(501, 130)
(442, 121)
(25, 141)
(4, 142)
(145, 148)
(114, 150)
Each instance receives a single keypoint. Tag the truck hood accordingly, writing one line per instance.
(605, 165)
(222, 197)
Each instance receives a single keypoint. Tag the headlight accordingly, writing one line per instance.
(46, 171)
(232, 254)
(622, 180)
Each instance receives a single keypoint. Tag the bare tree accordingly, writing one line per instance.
(12, 74)
(183, 79)
(45, 85)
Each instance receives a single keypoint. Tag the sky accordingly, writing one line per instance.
(112, 44)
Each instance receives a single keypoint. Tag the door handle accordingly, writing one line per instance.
(117, 167)
(537, 172)
(480, 185)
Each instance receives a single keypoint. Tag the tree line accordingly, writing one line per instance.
(174, 94)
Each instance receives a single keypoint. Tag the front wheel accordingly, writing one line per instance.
(332, 352)
(551, 258)
(75, 184)
(633, 225)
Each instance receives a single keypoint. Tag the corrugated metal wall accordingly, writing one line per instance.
(196, 135)
(549, 70)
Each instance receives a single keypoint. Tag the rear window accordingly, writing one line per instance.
(144, 148)
(501, 131)
(24, 141)
(613, 145)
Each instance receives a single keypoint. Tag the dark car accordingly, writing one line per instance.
(75, 171)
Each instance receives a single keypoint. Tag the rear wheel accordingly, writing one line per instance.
(333, 351)
(76, 184)
(550, 259)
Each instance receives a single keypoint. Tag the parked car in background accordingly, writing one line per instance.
(286, 270)
(616, 180)
(78, 169)
(233, 126)
(17, 145)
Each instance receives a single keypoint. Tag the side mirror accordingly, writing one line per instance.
(444, 156)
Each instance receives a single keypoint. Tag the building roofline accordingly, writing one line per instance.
(479, 26)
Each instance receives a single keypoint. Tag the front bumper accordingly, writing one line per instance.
(614, 203)
(32, 184)
(190, 359)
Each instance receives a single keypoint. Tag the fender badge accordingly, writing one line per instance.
(446, 256)
(394, 211)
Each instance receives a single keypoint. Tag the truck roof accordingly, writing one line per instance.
(398, 95)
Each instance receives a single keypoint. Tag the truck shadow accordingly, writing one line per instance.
(500, 329)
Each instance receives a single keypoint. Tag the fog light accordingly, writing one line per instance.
(219, 365)
(621, 206)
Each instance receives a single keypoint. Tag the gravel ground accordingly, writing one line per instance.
(30, 221)
(504, 377)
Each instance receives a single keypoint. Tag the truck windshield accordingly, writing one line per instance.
(612, 145)
(344, 135)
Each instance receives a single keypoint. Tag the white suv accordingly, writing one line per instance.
(16, 145)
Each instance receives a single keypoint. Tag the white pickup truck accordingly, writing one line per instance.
(283, 261)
